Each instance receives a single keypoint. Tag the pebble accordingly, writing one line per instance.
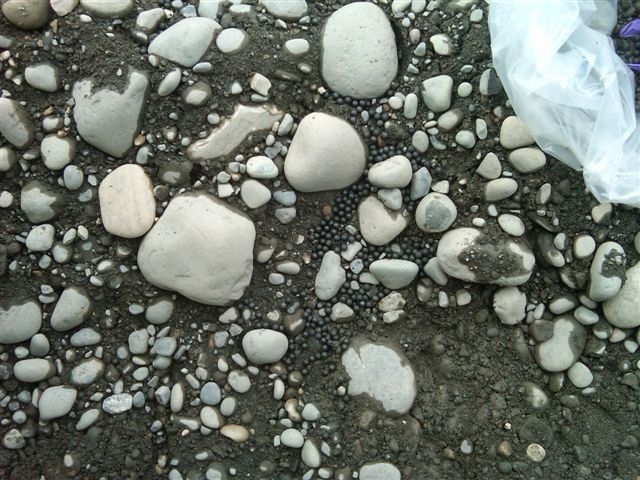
(237, 433)
(580, 375)
(232, 41)
(310, 454)
(200, 247)
(210, 393)
(264, 346)
(149, 20)
(127, 204)
(186, 41)
(359, 53)
(393, 273)
(564, 347)
(410, 106)
(466, 139)
(109, 119)
(499, 189)
(420, 183)
(420, 141)
(341, 313)
(394, 172)
(39, 345)
(197, 94)
(43, 76)
(87, 372)
(583, 246)
(536, 452)
(165, 346)
(40, 238)
(511, 224)
(57, 152)
(510, 304)
(33, 370)
(73, 177)
(436, 93)
(514, 133)
(56, 402)
(262, 167)
(39, 202)
(260, 84)
(254, 194)
(292, 438)
(15, 125)
(7, 159)
(527, 160)
(13, 440)
(88, 418)
(450, 119)
(26, 14)
(85, 337)
(489, 83)
(379, 471)
(297, 46)
(490, 167)
(170, 82)
(441, 44)
(622, 309)
(468, 254)
(381, 372)
(73, 308)
(110, 9)
(326, 153)
(330, 277)
(605, 275)
(287, 10)
(435, 213)
(378, 225)
(19, 321)
(211, 417)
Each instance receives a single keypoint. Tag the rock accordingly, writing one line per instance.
(40, 238)
(394, 172)
(410, 106)
(197, 94)
(33, 370)
(489, 83)
(118, 403)
(237, 433)
(200, 247)
(7, 159)
(433, 270)
(420, 183)
(254, 194)
(264, 346)
(564, 348)
(450, 119)
(527, 160)
(231, 41)
(359, 53)
(392, 198)
(378, 225)
(499, 189)
(73, 177)
(622, 310)
(341, 313)
(511, 224)
(57, 152)
(186, 41)
(110, 9)
(39, 202)
(514, 133)
(435, 213)
(330, 277)
(490, 167)
(170, 82)
(292, 438)
(225, 139)
(19, 321)
(583, 246)
(420, 141)
(43, 76)
(63, 7)
(148, 21)
(85, 337)
(441, 44)
(465, 139)
(391, 302)
(127, 204)
(286, 9)
(326, 153)
(15, 125)
(509, 303)
(606, 272)
(13, 440)
(210, 393)
(106, 119)
(310, 454)
(87, 372)
(394, 274)
(436, 93)
(73, 307)
(470, 255)
(209, 8)
(26, 14)
(56, 402)
(379, 471)
(262, 167)
(580, 375)
(381, 372)
(296, 46)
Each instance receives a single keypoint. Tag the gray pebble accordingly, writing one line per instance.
(73, 308)
(56, 402)
(85, 337)
(43, 76)
(210, 393)
(19, 321)
(118, 403)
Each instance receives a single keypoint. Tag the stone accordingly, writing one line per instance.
(15, 125)
(57, 152)
(110, 9)
(13, 440)
(226, 138)
(87, 372)
(43, 76)
(40, 238)
(499, 189)
(511, 224)
(19, 320)
(564, 347)
(210, 393)
(420, 183)
(623, 309)
(73, 177)
(435, 213)
(527, 160)
(606, 272)
(237, 433)
(330, 277)
(292, 438)
(264, 346)
(490, 167)
(8, 159)
(580, 375)
(200, 247)
(466, 139)
(56, 402)
(310, 454)
(394, 172)
(382, 373)
(326, 153)
(510, 304)
(286, 9)
(359, 53)
(470, 255)
(436, 93)
(378, 225)
(490, 83)
(209, 8)
(148, 21)
(514, 133)
(39, 202)
(232, 41)
(296, 47)
(583, 246)
(197, 95)
(341, 313)
(393, 273)
(254, 194)
(441, 44)
(263, 168)
(410, 109)
(450, 119)
(33, 370)
(118, 403)
(106, 119)
(379, 471)
(127, 204)
(73, 307)
(170, 82)
(26, 14)
(420, 141)
(391, 197)
(85, 337)
(186, 41)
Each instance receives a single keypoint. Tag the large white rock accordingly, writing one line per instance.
(19, 321)
(378, 225)
(263, 346)
(326, 153)
(200, 247)
(185, 42)
(127, 204)
(623, 310)
(359, 54)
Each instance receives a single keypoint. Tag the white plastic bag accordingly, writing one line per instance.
(571, 90)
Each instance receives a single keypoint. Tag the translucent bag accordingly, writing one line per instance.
(558, 66)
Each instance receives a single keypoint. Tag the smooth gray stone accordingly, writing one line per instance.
(56, 402)
(263, 346)
(186, 41)
(39, 202)
(19, 321)
(73, 307)
(15, 125)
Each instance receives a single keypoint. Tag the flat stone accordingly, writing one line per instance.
(341, 312)
(39, 202)
(292, 438)
(606, 272)
(118, 403)
(186, 41)
(57, 152)
(15, 125)
(232, 41)
(197, 95)
(514, 133)
(110, 9)
(254, 194)
(466, 139)
(509, 303)
(623, 309)
(310, 454)
(393, 273)
(378, 225)
(391, 197)
(286, 9)
(490, 83)
(85, 337)
(527, 160)
(106, 119)
(200, 247)
(237, 433)
(359, 53)
(450, 119)
(565, 346)
(87, 372)
(264, 346)
(88, 418)
(40, 238)
(435, 213)
(499, 189)
(127, 204)
(379, 471)
(148, 21)
(73, 307)
(381, 372)
(394, 172)
(326, 153)
(490, 167)
(330, 277)
(19, 321)
(33, 370)
(225, 139)
(56, 402)
(468, 254)
(263, 168)
(63, 7)
(43, 76)
(436, 93)
(26, 14)
(209, 8)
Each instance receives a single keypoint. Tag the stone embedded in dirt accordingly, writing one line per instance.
(286, 9)
(186, 41)
(234, 432)
(107, 119)
(232, 41)
(127, 204)
(110, 9)
(606, 273)
(378, 225)
(73, 307)
(200, 247)
(470, 255)
(310, 454)
(509, 303)
(226, 138)
(330, 277)
(394, 172)
(381, 372)
(580, 375)
(33, 370)
(379, 471)
(527, 160)
(40, 238)
(623, 309)
(359, 54)
(197, 94)
(296, 46)
(170, 82)
(39, 202)
(86, 372)
(254, 194)
(490, 167)
(15, 125)
(85, 337)
(263, 346)
(292, 438)
(13, 440)
(394, 273)
(564, 347)
(43, 76)
(514, 133)
(149, 20)
(56, 402)
(435, 213)
(19, 321)
(326, 153)
(436, 93)
(57, 152)
(420, 183)
(511, 224)
(262, 167)
(391, 197)
(26, 14)
(63, 7)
